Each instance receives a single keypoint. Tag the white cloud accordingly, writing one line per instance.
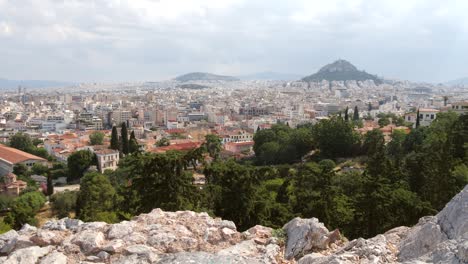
(144, 39)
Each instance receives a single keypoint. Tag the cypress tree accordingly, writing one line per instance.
(124, 143)
(133, 143)
(346, 117)
(50, 185)
(114, 144)
(417, 119)
(356, 114)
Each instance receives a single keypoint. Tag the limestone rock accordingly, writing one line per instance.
(54, 258)
(27, 255)
(304, 235)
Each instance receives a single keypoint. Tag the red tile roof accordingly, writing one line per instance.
(14, 156)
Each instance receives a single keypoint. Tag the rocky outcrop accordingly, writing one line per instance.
(442, 238)
(189, 237)
(157, 237)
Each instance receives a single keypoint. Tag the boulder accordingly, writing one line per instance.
(27, 255)
(305, 235)
(54, 258)
(89, 241)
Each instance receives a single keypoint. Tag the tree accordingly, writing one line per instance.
(96, 199)
(212, 145)
(64, 203)
(20, 169)
(160, 181)
(115, 139)
(356, 113)
(78, 163)
(39, 169)
(346, 117)
(124, 139)
(163, 142)
(96, 138)
(24, 209)
(22, 142)
(334, 137)
(384, 122)
(417, 119)
(50, 185)
(133, 146)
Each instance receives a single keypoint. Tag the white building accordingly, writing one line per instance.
(108, 159)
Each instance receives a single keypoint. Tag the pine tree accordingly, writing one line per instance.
(114, 139)
(124, 139)
(346, 116)
(356, 113)
(417, 119)
(133, 143)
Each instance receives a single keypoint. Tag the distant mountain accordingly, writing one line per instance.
(204, 76)
(13, 84)
(462, 81)
(274, 76)
(341, 70)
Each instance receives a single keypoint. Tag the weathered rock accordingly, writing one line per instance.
(439, 239)
(304, 235)
(54, 258)
(90, 241)
(27, 255)
(8, 241)
(47, 237)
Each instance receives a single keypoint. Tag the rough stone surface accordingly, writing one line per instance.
(442, 238)
(305, 235)
(189, 237)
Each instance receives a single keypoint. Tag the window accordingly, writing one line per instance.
(432, 116)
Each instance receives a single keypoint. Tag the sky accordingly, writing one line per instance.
(150, 40)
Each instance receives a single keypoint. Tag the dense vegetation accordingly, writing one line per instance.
(360, 184)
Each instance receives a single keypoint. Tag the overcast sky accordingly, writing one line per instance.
(118, 40)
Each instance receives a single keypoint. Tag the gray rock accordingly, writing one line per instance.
(305, 235)
(120, 230)
(103, 255)
(8, 241)
(89, 241)
(54, 258)
(27, 255)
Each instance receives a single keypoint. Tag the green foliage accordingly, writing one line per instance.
(6, 202)
(78, 163)
(63, 203)
(356, 114)
(96, 198)
(96, 138)
(4, 227)
(115, 144)
(133, 146)
(39, 169)
(282, 144)
(124, 139)
(20, 169)
(212, 145)
(384, 121)
(163, 142)
(21, 141)
(335, 137)
(24, 209)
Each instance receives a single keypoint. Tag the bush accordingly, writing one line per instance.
(63, 203)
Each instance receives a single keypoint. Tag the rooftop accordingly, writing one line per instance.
(14, 156)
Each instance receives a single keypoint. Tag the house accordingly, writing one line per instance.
(460, 107)
(11, 186)
(426, 116)
(108, 159)
(239, 147)
(9, 157)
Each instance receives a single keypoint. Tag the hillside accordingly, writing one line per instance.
(204, 76)
(341, 70)
(461, 81)
(189, 237)
(13, 84)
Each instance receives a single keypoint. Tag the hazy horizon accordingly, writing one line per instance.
(144, 40)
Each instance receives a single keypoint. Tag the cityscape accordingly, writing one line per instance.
(112, 151)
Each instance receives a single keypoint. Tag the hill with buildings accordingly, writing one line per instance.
(204, 76)
(274, 76)
(341, 70)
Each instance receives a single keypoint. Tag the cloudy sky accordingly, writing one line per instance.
(129, 40)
